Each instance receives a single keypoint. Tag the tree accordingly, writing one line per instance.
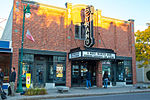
(143, 47)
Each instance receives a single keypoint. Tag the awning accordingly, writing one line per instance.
(92, 53)
(5, 46)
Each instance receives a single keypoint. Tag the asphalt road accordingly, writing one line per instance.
(131, 96)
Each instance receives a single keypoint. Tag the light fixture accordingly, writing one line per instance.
(27, 15)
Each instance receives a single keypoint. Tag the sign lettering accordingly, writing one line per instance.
(92, 54)
(89, 39)
(98, 55)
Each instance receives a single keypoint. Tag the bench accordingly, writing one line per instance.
(62, 89)
(140, 86)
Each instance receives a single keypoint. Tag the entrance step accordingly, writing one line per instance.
(142, 85)
(49, 85)
(62, 89)
(120, 84)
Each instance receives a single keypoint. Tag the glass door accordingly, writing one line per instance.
(79, 73)
(39, 72)
(59, 64)
(91, 66)
(75, 75)
(128, 71)
(120, 72)
(107, 68)
(83, 70)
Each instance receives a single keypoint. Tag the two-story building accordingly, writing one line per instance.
(69, 41)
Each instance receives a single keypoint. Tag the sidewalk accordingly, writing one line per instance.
(77, 92)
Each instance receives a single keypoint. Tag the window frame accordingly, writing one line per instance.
(80, 25)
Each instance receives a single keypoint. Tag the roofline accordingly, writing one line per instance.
(51, 6)
(41, 4)
(115, 19)
(79, 5)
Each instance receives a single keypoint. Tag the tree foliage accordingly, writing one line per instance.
(143, 47)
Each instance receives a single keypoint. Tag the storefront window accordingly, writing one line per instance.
(59, 69)
(120, 71)
(5, 66)
(106, 66)
(128, 71)
(50, 70)
(27, 66)
(59, 59)
(5, 69)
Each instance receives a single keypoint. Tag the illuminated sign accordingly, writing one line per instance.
(75, 55)
(92, 54)
(98, 55)
(89, 39)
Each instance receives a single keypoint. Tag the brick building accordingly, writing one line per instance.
(71, 40)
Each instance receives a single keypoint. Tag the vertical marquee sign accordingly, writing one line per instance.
(89, 39)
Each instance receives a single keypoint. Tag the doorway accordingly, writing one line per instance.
(5, 65)
(39, 72)
(79, 69)
(120, 71)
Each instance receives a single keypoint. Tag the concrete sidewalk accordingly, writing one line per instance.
(77, 92)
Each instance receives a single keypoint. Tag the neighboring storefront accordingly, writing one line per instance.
(5, 59)
(69, 41)
(142, 73)
(45, 67)
(120, 71)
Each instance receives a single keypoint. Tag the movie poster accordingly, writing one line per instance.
(59, 70)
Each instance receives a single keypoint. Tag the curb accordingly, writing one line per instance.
(79, 95)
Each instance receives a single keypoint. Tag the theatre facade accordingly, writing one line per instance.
(69, 41)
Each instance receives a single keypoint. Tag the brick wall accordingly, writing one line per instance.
(99, 74)
(53, 29)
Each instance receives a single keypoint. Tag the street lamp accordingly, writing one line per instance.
(27, 13)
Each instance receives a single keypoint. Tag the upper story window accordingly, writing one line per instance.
(77, 31)
(80, 31)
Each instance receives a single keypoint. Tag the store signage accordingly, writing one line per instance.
(5, 44)
(89, 39)
(28, 80)
(98, 55)
(92, 54)
(75, 55)
(28, 57)
(106, 62)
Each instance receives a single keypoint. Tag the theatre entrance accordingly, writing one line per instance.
(79, 69)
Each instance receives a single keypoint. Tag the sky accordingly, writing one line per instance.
(138, 10)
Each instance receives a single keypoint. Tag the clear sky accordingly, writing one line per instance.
(139, 10)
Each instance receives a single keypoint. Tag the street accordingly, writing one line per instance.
(131, 96)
